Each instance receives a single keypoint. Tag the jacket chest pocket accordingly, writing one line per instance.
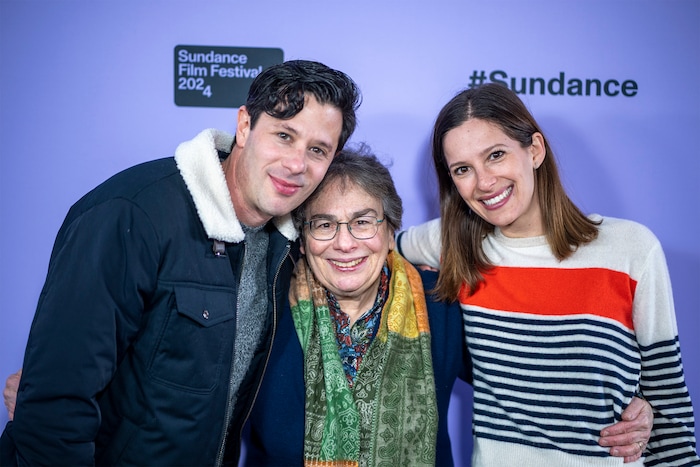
(196, 341)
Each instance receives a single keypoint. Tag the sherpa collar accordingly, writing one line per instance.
(199, 165)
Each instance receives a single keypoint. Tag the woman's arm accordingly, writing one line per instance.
(421, 244)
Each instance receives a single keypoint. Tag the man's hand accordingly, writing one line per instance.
(9, 394)
(629, 437)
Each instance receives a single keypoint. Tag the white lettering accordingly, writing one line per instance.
(184, 56)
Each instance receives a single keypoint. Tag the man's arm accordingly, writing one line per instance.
(103, 264)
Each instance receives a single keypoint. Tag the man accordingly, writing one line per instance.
(164, 286)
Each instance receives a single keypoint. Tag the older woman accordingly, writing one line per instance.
(362, 368)
(351, 379)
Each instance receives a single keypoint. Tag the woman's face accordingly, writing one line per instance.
(348, 267)
(495, 176)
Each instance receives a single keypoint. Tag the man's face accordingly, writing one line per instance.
(276, 165)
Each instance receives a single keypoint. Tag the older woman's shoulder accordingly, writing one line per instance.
(429, 277)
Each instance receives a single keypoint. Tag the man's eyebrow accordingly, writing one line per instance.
(287, 127)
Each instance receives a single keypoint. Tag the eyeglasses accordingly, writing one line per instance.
(362, 227)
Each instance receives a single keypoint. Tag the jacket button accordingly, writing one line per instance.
(205, 314)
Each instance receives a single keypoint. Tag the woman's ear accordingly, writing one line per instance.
(537, 149)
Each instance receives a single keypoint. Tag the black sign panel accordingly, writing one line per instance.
(211, 76)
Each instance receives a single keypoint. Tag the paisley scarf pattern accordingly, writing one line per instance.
(354, 339)
(389, 416)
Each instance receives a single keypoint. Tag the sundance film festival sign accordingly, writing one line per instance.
(210, 76)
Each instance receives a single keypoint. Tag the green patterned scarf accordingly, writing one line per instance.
(389, 417)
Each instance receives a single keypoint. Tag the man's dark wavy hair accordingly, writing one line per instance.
(280, 91)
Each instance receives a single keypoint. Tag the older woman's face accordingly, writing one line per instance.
(348, 267)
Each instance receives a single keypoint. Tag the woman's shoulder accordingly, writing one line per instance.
(437, 309)
(624, 232)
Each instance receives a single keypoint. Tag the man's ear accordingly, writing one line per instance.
(242, 126)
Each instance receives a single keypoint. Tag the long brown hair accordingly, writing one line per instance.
(463, 231)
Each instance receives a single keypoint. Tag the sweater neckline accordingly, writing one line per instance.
(524, 242)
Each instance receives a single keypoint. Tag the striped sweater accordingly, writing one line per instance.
(560, 347)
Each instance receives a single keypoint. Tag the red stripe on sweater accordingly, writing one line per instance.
(553, 291)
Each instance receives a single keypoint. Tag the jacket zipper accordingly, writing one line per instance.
(272, 340)
(229, 408)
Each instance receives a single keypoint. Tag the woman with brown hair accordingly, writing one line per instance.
(566, 316)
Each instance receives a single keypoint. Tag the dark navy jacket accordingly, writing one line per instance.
(276, 425)
(129, 358)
